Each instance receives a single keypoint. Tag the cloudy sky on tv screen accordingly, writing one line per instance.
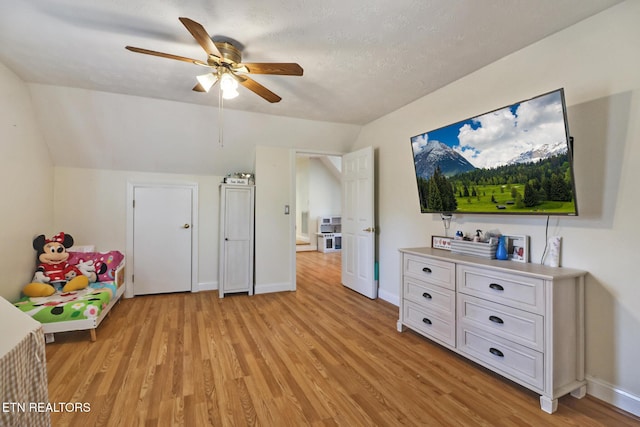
(496, 138)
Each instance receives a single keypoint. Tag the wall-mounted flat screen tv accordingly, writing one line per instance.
(513, 160)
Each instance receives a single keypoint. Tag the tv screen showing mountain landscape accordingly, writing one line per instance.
(514, 160)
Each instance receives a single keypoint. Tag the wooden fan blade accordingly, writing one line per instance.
(202, 37)
(257, 88)
(283, 69)
(165, 55)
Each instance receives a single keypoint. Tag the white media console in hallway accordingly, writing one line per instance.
(523, 321)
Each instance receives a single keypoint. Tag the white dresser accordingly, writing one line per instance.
(523, 321)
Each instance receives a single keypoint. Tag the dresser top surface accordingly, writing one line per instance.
(14, 326)
(530, 269)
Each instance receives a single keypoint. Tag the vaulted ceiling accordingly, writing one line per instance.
(361, 59)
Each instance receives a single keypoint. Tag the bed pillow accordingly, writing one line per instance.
(111, 259)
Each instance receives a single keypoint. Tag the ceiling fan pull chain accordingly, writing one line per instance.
(220, 118)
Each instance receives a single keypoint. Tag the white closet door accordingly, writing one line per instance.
(236, 232)
(162, 237)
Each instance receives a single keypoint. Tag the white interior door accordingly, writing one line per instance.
(162, 234)
(358, 222)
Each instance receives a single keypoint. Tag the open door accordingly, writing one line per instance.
(358, 223)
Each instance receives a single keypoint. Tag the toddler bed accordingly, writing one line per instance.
(83, 309)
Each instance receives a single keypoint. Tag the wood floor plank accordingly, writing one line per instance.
(320, 356)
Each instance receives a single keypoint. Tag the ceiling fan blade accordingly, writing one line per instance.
(283, 69)
(257, 88)
(202, 37)
(165, 55)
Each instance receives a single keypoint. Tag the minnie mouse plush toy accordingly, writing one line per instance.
(53, 272)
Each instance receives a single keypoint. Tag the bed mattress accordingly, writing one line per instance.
(84, 304)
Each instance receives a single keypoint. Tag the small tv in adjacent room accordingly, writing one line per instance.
(513, 160)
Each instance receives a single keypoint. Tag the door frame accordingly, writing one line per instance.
(292, 211)
(131, 186)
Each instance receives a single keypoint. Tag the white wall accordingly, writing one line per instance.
(275, 237)
(26, 185)
(325, 191)
(98, 130)
(597, 62)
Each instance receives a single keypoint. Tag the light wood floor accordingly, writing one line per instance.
(321, 356)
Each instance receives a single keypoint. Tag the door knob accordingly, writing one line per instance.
(369, 229)
(186, 226)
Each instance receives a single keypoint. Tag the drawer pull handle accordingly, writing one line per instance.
(427, 321)
(496, 352)
(426, 270)
(496, 287)
(496, 319)
(426, 295)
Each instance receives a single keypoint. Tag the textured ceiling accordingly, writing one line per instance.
(361, 59)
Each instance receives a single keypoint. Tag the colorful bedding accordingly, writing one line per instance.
(85, 303)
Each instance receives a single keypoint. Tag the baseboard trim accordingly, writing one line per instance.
(267, 288)
(613, 395)
(207, 286)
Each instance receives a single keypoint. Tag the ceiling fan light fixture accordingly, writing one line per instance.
(230, 94)
(229, 86)
(224, 58)
(207, 81)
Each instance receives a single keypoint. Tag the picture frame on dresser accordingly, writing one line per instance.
(518, 247)
(441, 242)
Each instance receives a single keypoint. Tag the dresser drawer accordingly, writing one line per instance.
(513, 290)
(430, 323)
(430, 296)
(436, 272)
(515, 325)
(521, 363)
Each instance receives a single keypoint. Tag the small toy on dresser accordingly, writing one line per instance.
(53, 272)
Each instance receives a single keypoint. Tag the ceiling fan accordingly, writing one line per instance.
(225, 62)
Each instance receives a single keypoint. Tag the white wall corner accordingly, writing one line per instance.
(613, 395)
